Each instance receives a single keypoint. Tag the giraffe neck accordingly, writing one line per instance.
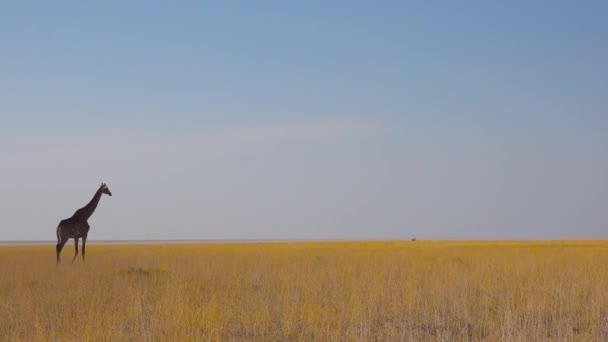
(88, 210)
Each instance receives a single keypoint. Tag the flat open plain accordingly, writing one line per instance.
(325, 291)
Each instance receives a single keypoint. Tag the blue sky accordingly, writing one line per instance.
(312, 120)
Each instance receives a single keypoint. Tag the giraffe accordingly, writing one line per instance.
(77, 227)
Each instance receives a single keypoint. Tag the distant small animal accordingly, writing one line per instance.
(413, 239)
(77, 227)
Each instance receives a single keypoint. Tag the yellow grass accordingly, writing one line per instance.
(332, 291)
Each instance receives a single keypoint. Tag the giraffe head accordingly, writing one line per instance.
(105, 190)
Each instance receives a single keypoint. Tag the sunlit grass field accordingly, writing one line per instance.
(303, 291)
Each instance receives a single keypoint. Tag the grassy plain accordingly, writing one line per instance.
(323, 291)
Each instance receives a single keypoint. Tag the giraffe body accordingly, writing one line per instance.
(77, 227)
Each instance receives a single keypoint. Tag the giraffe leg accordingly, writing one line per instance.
(75, 249)
(84, 241)
(59, 247)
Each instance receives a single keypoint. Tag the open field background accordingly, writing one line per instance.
(330, 291)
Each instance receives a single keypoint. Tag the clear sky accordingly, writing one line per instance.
(312, 120)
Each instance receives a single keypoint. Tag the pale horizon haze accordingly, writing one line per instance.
(313, 120)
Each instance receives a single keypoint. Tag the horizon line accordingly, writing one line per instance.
(6, 243)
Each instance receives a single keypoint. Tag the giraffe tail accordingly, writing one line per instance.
(59, 232)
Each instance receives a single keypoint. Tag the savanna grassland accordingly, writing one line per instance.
(323, 291)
